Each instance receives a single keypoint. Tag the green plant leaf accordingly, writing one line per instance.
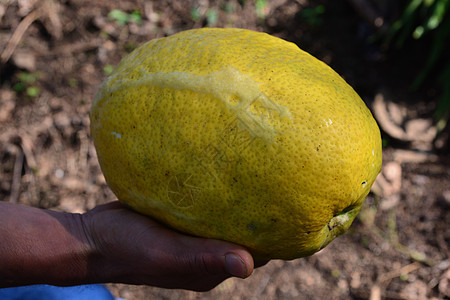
(119, 16)
(441, 37)
(438, 14)
(195, 14)
(260, 6)
(108, 69)
(19, 87)
(228, 7)
(33, 91)
(28, 78)
(135, 17)
(211, 17)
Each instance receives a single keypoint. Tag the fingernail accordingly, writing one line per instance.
(235, 265)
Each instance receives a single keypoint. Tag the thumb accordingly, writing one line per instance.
(205, 263)
(218, 257)
(239, 264)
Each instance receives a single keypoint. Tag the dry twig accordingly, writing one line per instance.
(17, 176)
(375, 291)
(49, 9)
(18, 34)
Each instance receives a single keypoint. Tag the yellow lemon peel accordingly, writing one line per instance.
(223, 85)
(237, 135)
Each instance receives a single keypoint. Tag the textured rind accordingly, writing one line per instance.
(236, 135)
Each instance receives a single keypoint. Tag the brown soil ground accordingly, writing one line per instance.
(55, 54)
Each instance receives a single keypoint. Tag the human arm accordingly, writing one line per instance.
(109, 244)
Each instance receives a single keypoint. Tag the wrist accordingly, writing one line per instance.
(62, 256)
(72, 267)
(103, 264)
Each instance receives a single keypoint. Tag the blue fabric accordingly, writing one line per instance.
(50, 292)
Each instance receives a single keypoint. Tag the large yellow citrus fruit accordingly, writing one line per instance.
(237, 135)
